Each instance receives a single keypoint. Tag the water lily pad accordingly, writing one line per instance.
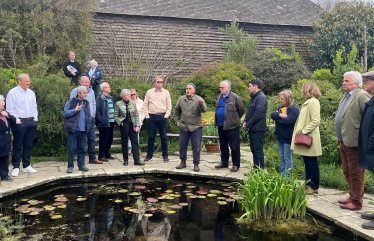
(80, 199)
(177, 195)
(183, 204)
(153, 209)
(215, 191)
(41, 201)
(186, 191)
(158, 188)
(34, 213)
(163, 194)
(209, 181)
(148, 214)
(230, 200)
(127, 208)
(176, 207)
(58, 204)
(222, 202)
(162, 197)
(169, 198)
(152, 200)
(134, 194)
(189, 194)
(201, 192)
(62, 206)
(171, 211)
(38, 209)
(212, 195)
(61, 199)
(24, 200)
(60, 195)
(193, 196)
(226, 189)
(169, 191)
(118, 201)
(49, 208)
(123, 190)
(33, 202)
(138, 211)
(87, 215)
(221, 198)
(15, 205)
(140, 187)
(141, 179)
(225, 184)
(191, 186)
(56, 216)
(171, 195)
(179, 185)
(132, 209)
(237, 197)
(202, 197)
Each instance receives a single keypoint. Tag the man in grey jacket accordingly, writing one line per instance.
(229, 110)
(255, 122)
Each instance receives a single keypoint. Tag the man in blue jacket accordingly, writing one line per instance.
(78, 124)
(255, 122)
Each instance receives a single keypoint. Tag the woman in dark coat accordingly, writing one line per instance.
(285, 118)
(5, 143)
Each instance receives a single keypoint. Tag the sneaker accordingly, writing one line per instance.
(70, 170)
(148, 159)
(29, 169)
(83, 169)
(7, 178)
(15, 172)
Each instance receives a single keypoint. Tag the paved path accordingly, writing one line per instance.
(325, 204)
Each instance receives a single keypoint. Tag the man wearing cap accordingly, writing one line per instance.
(187, 116)
(366, 139)
(347, 124)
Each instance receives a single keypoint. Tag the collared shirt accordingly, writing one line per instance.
(157, 102)
(91, 71)
(90, 98)
(21, 104)
(220, 114)
(188, 113)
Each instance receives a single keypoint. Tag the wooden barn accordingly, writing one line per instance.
(170, 38)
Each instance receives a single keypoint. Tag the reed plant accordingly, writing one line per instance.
(266, 195)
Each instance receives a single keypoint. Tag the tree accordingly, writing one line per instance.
(341, 28)
(11, 40)
(242, 48)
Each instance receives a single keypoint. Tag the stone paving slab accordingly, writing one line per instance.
(324, 204)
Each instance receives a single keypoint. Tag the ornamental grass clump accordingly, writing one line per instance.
(266, 195)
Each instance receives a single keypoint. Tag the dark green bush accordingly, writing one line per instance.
(322, 74)
(278, 70)
(207, 79)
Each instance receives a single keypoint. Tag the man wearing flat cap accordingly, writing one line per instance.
(187, 116)
(366, 139)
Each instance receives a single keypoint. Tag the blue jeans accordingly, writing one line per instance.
(76, 140)
(154, 122)
(91, 141)
(285, 155)
(256, 142)
(24, 134)
(196, 138)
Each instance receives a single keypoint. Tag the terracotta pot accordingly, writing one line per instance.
(213, 147)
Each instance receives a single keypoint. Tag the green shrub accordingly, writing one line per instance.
(340, 68)
(207, 79)
(8, 80)
(322, 74)
(278, 70)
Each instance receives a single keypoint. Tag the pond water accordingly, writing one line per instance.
(136, 208)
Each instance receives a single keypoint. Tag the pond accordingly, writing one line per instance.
(135, 208)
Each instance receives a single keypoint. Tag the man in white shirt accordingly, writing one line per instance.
(21, 103)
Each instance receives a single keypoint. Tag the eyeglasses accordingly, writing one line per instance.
(133, 94)
(159, 82)
(222, 87)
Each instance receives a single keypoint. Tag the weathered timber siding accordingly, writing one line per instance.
(194, 41)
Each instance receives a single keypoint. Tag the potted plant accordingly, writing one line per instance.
(209, 129)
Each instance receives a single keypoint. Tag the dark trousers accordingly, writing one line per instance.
(311, 171)
(76, 140)
(127, 130)
(232, 138)
(154, 122)
(4, 166)
(24, 134)
(91, 139)
(196, 138)
(354, 175)
(256, 143)
(105, 140)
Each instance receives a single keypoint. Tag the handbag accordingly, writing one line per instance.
(303, 140)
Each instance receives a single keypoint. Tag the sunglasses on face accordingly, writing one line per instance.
(159, 82)
(133, 94)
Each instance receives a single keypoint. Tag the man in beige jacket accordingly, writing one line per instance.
(347, 126)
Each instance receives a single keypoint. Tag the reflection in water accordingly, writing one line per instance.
(156, 228)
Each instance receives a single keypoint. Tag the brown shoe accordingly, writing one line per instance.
(369, 225)
(95, 162)
(103, 159)
(350, 206)
(368, 216)
(234, 169)
(311, 191)
(110, 157)
(181, 165)
(345, 201)
(219, 166)
(196, 168)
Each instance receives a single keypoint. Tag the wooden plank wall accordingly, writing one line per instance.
(176, 47)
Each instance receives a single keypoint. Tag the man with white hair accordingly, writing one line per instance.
(21, 103)
(78, 124)
(85, 81)
(347, 126)
(72, 68)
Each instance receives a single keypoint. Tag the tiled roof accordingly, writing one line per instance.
(275, 12)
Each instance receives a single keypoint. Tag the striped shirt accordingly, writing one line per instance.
(111, 110)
